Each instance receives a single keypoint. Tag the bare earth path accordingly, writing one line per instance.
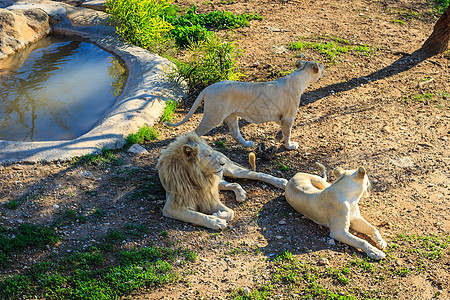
(395, 127)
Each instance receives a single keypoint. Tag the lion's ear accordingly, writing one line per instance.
(189, 152)
(338, 172)
(299, 63)
(316, 68)
(361, 173)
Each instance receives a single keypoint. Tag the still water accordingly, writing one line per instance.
(57, 89)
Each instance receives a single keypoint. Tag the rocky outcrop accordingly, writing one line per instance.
(19, 28)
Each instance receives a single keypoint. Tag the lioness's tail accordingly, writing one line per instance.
(323, 170)
(194, 107)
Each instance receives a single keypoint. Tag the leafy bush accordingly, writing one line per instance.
(142, 22)
(209, 61)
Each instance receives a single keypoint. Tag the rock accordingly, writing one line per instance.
(386, 129)
(279, 49)
(246, 290)
(282, 222)
(323, 261)
(331, 242)
(21, 27)
(137, 149)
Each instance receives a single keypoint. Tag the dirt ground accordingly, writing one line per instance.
(352, 117)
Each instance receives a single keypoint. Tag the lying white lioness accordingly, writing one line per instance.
(256, 102)
(336, 206)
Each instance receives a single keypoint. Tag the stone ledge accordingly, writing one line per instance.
(140, 104)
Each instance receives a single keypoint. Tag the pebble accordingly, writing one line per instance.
(282, 222)
(323, 261)
(331, 242)
(137, 149)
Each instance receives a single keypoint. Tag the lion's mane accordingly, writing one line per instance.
(182, 178)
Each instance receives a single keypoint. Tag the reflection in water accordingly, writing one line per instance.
(56, 89)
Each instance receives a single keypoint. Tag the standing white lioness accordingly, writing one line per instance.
(256, 102)
(336, 206)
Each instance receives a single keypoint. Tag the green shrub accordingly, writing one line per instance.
(209, 61)
(142, 22)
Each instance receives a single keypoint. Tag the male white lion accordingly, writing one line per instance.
(336, 206)
(256, 102)
(191, 173)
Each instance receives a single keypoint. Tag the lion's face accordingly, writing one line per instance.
(210, 161)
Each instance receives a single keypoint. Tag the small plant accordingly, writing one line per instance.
(209, 61)
(282, 167)
(12, 204)
(144, 134)
(98, 213)
(164, 234)
(397, 21)
(169, 110)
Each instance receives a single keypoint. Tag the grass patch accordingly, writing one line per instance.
(331, 50)
(169, 110)
(26, 236)
(95, 274)
(145, 134)
(106, 156)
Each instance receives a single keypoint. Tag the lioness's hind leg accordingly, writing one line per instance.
(361, 225)
(233, 125)
(207, 124)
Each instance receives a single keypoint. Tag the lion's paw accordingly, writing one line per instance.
(241, 196)
(381, 244)
(219, 224)
(376, 254)
(225, 215)
(291, 145)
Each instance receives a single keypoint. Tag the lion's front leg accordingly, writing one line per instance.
(286, 127)
(361, 225)
(236, 188)
(197, 218)
(234, 171)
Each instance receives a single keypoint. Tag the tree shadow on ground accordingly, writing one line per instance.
(405, 63)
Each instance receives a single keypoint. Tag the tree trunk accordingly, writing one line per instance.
(438, 40)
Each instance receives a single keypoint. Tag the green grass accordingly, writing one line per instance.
(145, 134)
(169, 110)
(331, 50)
(91, 274)
(106, 156)
(397, 21)
(26, 236)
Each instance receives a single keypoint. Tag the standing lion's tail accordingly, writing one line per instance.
(194, 107)
(323, 170)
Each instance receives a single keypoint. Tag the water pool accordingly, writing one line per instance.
(57, 89)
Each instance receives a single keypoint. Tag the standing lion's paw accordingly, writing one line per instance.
(291, 145)
(376, 254)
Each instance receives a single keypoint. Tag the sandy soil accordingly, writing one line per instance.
(353, 116)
